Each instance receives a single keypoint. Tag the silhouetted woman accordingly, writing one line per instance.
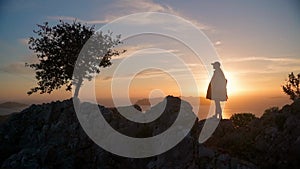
(217, 89)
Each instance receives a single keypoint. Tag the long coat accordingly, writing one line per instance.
(217, 87)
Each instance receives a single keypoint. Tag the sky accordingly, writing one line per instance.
(257, 42)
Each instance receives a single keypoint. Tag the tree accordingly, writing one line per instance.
(291, 86)
(58, 48)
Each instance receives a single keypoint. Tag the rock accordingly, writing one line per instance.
(223, 161)
(294, 152)
(206, 152)
(26, 159)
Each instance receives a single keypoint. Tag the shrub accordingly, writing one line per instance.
(242, 119)
(271, 110)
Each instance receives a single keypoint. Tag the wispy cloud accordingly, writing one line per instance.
(253, 58)
(149, 73)
(107, 78)
(120, 8)
(70, 18)
(146, 74)
(130, 50)
(16, 68)
(218, 43)
(125, 7)
(262, 65)
(24, 41)
(156, 73)
(133, 6)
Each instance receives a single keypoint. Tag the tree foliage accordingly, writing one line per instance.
(58, 48)
(291, 86)
(242, 119)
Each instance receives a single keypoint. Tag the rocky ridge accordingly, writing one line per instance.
(50, 136)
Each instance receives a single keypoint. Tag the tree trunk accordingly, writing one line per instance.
(77, 87)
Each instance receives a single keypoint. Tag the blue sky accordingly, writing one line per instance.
(258, 41)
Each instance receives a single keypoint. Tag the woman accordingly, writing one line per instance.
(217, 88)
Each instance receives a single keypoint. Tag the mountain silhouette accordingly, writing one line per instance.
(11, 107)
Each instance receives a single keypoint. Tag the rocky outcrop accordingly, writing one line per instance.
(50, 136)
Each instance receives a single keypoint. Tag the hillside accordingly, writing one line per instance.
(50, 136)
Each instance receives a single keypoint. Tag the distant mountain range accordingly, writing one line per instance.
(11, 107)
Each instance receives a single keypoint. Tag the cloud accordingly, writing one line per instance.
(133, 6)
(16, 68)
(149, 73)
(70, 18)
(107, 78)
(218, 43)
(125, 7)
(131, 49)
(273, 59)
(120, 8)
(154, 73)
(262, 65)
(24, 41)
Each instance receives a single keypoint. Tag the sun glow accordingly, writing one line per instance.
(232, 87)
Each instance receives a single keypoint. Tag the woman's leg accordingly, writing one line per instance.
(218, 109)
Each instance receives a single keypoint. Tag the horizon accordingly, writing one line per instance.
(236, 105)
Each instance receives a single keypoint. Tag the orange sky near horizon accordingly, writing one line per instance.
(253, 100)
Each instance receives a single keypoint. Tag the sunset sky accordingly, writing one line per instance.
(257, 42)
